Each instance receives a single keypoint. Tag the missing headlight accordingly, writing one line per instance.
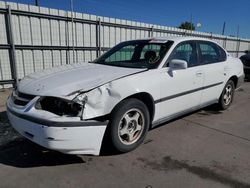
(59, 106)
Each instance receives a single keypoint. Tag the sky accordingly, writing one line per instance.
(211, 13)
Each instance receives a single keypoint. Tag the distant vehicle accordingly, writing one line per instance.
(246, 62)
(136, 85)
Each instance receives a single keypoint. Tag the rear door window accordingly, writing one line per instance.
(211, 53)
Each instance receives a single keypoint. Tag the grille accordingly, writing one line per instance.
(21, 99)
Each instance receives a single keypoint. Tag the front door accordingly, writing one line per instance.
(181, 89)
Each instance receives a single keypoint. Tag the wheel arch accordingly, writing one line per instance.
(147, 99)
(235, 80)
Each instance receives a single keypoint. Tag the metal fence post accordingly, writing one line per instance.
(151, 31)
(225, 43)
(98, 37)
(72, 30)
(67, 42)
(10, 39)
(237, 48)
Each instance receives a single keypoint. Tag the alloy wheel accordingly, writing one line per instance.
(131, 126)
(228, 94)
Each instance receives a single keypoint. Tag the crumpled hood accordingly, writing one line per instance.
(63, 80)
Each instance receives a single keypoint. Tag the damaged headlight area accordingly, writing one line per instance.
(81, 99)
(60, 106)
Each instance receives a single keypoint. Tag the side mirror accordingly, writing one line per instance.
(178, 64)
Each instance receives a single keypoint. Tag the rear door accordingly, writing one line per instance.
(213, 60)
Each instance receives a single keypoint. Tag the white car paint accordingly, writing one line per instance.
(105, 86)
(74, 140)
(62, 80)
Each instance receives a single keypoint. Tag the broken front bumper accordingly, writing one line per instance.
(57, 133)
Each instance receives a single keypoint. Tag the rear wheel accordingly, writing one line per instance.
(129, 125)
(227, 95)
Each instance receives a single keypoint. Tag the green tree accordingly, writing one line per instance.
(187, 25)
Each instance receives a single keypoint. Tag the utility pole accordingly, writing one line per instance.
(36, 3)
(223, 29)
(191, 22)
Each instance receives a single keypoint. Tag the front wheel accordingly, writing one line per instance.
(129, 125)
(227, 95)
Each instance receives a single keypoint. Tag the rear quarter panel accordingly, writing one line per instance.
(235, 67)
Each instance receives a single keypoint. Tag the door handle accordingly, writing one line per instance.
(199, 73)
(226, 68)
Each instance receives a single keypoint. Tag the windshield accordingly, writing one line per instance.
(135, 54)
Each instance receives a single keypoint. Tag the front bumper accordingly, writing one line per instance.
(57, 133)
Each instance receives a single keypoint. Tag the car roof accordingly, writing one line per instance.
(175, 39)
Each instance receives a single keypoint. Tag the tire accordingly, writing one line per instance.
(129, 124)
(227, 95)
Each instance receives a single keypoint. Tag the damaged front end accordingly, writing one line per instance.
(60, 107)
(85, 105)
(97, 102)
(56, 122)
(63, 107)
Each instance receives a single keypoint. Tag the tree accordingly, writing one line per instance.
(187, 25)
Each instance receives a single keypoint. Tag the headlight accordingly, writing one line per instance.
(60, 106)
(81, 99)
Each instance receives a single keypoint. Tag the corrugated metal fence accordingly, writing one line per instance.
(34, 38)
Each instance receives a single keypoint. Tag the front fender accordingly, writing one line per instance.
(103, 99)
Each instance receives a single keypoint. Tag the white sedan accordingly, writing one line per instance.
(133, 87)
